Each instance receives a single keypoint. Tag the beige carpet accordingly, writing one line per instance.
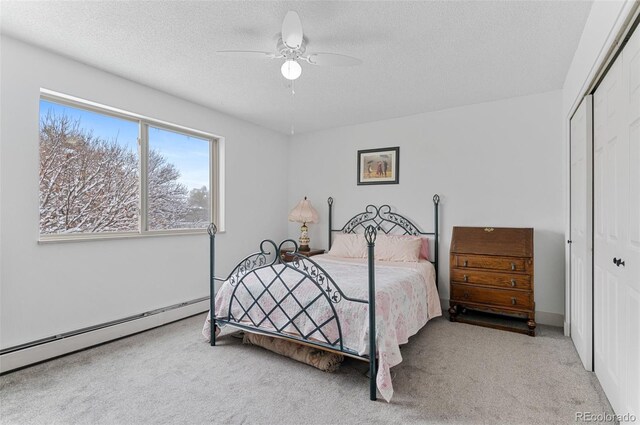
(452, 373)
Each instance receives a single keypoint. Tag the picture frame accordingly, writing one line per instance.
(379, 166)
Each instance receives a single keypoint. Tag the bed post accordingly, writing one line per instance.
(436, 201)
(370, 235)
(212, 230)
(330, 202)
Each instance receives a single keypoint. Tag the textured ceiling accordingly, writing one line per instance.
(418, 56)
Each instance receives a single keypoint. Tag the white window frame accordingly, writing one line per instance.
(215, 175)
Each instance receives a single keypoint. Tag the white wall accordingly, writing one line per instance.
(494, 164)
(54, 288)
(604, 23)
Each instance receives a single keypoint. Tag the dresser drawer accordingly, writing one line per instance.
(499, 280)
(489, 262)
(497, 297)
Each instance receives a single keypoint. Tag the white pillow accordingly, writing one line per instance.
(397, 248)
(349, 245)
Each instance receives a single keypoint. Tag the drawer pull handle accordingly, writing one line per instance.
(488, 229)
(464, 264)
(513, 266)
(513, 300)
(513, 283)
(466, 295)
(466, 278)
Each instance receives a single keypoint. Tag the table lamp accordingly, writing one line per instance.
(304, 213)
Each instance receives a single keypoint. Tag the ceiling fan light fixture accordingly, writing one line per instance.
(291, 69)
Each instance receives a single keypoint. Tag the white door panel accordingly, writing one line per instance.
(630, 273)
(616, 260)
(634, 182)
(611, 189)
(581, 242)
(633, 365)
(598, 187)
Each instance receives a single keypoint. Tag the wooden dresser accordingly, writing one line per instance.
(492, 272)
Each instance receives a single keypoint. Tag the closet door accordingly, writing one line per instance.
(580, 238)
(630, 249)
(617, 230)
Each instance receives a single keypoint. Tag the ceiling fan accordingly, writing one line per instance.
(291, 47)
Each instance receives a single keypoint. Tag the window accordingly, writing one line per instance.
(105, 173)
(178, 180)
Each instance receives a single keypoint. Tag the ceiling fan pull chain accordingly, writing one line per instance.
(293, 105)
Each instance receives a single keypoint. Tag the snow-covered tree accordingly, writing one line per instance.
(167, 197)
(87, 184)
(198, 205)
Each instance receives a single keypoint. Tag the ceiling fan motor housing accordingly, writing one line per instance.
(289, 53)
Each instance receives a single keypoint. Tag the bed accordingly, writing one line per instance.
(327, 301)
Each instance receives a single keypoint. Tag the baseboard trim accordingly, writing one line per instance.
(542, 317)
(550, 319)
(59, 347)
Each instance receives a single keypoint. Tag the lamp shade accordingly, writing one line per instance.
(304, 212)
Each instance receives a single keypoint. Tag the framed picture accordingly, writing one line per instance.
(379, 166)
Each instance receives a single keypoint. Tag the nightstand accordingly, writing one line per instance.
(286, 257)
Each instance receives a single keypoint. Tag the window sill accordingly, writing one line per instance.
(45, 240)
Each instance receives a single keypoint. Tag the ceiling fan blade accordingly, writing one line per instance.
(332, 59)
(253, 54)
(292, 35)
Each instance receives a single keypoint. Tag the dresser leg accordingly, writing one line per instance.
(531, 324)
(453, 312)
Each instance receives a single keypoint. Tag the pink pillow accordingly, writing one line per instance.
(397, 248)
(353, 245)
(424, 248)
(349, 245)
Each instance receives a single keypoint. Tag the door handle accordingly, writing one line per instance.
(618, 262)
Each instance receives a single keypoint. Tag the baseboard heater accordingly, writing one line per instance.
(192, 307)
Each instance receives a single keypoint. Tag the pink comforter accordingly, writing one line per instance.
(406, 298)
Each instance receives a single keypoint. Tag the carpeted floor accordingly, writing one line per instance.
(452, 373)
